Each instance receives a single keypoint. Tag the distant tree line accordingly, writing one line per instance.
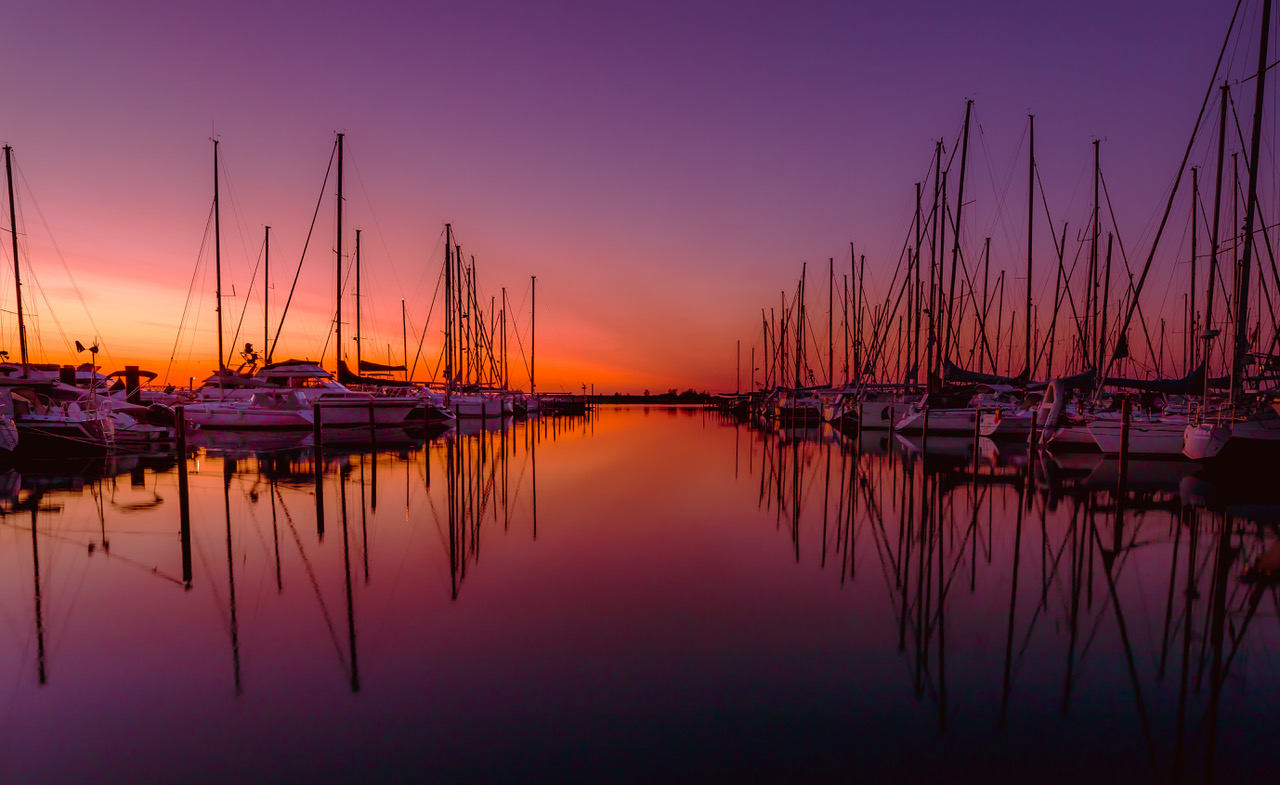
(671, 396)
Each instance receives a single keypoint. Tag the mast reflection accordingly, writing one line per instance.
(1064, 545)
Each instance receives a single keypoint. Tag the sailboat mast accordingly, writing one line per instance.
(931, 347)
(1194, 349)
(862, 301)
(404, 338)
(1106, 298)
(844, 301)
(1091, 322)
(506, 368)
(357, 302)
(462, 336)
(338, 320)
(266, 293)
(955, 247)
(1031, 211)
(831, 338)
(919, 304)
(1241, 345)
(533, 299)
(448, 310)
(764, 334)
(1213, 232)
(217, 257)
(800, 326)
(857, 313)
(17, 276)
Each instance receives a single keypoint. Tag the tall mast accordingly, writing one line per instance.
(404, 338)
(764, 333)
(800, 326)
(533, 299)
(983, 311)
(217, 257)
(1057, 290)
(338, 321)
(1106, 299)
(862, 301)
(1091, 323)
(17, 277)
(357, 302)
(1194, 354)
(1031, 204)
(931, 345)
(1209, 332)
(857, 305)
(462, 335)
(266, 292)
(955, 248)
(944, 304)
(506, 368)
(1241, 345)
(448, 310)
(469, 313)
(831, 337)
(844, 300)
(915, 360)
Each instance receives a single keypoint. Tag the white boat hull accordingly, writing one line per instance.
(1252, 438)
(1068, 437)
(879, 415)
(939, 421)
(1146, 437)
(236, 416)
(481, 406)
(353, 414)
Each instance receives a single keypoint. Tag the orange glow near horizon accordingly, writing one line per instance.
(663, 173)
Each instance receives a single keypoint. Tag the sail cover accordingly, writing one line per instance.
(954, 374)
(345, 376)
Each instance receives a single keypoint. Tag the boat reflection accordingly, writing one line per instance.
(262, 481)
(1143, 575)
(976, 600)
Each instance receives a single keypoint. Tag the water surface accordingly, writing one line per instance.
(644, 595)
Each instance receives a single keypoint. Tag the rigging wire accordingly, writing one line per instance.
(293, 287)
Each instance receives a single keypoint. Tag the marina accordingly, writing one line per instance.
(580, 392)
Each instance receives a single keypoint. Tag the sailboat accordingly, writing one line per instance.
(1245, 428)
(339, 405)
(46, 427)
(261, 409)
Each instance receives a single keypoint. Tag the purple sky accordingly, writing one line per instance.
(663, 168)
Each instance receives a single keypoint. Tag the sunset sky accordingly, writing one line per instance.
(664, 169)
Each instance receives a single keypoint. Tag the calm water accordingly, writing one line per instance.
(648, 595)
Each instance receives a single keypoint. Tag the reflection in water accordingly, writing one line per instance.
(705, 597)
(1119, 554)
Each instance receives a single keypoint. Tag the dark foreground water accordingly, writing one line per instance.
(649, 595)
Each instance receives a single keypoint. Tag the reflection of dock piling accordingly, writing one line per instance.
(41, 674)
(184, 497)
(317, 461)
(346, 563)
